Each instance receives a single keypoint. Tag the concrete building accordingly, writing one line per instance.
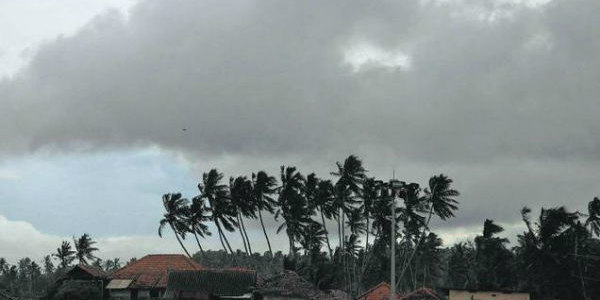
(464, 294)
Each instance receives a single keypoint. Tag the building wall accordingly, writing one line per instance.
(484, 295)
(120, 294)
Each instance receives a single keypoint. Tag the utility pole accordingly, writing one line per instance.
(393, 242)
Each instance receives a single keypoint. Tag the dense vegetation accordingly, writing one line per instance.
(557, 256)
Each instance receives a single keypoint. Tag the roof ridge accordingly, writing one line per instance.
(375, 287)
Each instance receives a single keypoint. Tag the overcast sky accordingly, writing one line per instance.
(502, 96)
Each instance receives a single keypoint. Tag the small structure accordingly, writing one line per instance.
(423, 294)
(379, 292)
(81, 282)
(211, 284)
(147, 277)
(465, 294)
(83, 272)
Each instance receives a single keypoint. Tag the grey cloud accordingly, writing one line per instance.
(268, 77)
(266, 81)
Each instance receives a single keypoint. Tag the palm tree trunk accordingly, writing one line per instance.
(326, 234)
(407, 262)
(265, 231)
(242, 234)
(225, 238)
(246, 234)
(220, 235)
(179, 240)
(198, 241)
(291, 240)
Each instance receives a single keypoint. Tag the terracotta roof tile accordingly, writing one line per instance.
(378, 292)
(152, 270)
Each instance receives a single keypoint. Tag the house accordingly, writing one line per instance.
(147, 277)
(81, 282)
(378, 292)
(465, 294)
(84, 272)
(211, 284)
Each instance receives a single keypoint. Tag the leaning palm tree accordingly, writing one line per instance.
(324, 201)
(263, 186)
(348, 187)
(196, 217)
(440, 200)
(64, 254)
(292, 205)
(242, 200)
(84, 248)
(223, 213)
(175, 209)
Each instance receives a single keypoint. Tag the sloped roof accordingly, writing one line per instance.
(92, 270)
(423, 294)
(216, 282)
(76, 271)
(152, 270)
(380, 291)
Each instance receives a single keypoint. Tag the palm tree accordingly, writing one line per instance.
(348, 189)
(324, 200)
(263, 186)
(84, 248)
(492, 258)
(224, 214)
(350, 175)
(196, 217)
(242, 200)
(593, 220)
(439, 198)
(64, 254)
(175, 210)
(292, 205)
(370, 194)
(546, 253)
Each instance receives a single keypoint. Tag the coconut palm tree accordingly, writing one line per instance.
(292, 205)
(370, 194)
(263, 186)
(64, 254)
(175, 210)
(348, 187)
(546, 253)
(439, 199)
(84, 248)
(593, 220)
(324, 200)
(196, 217)
(241, 198)
(223, 212)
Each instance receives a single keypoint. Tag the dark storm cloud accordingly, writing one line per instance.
(485, 84)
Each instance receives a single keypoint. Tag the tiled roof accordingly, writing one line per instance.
(92, 270)
(152, 270)
(378, 292)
